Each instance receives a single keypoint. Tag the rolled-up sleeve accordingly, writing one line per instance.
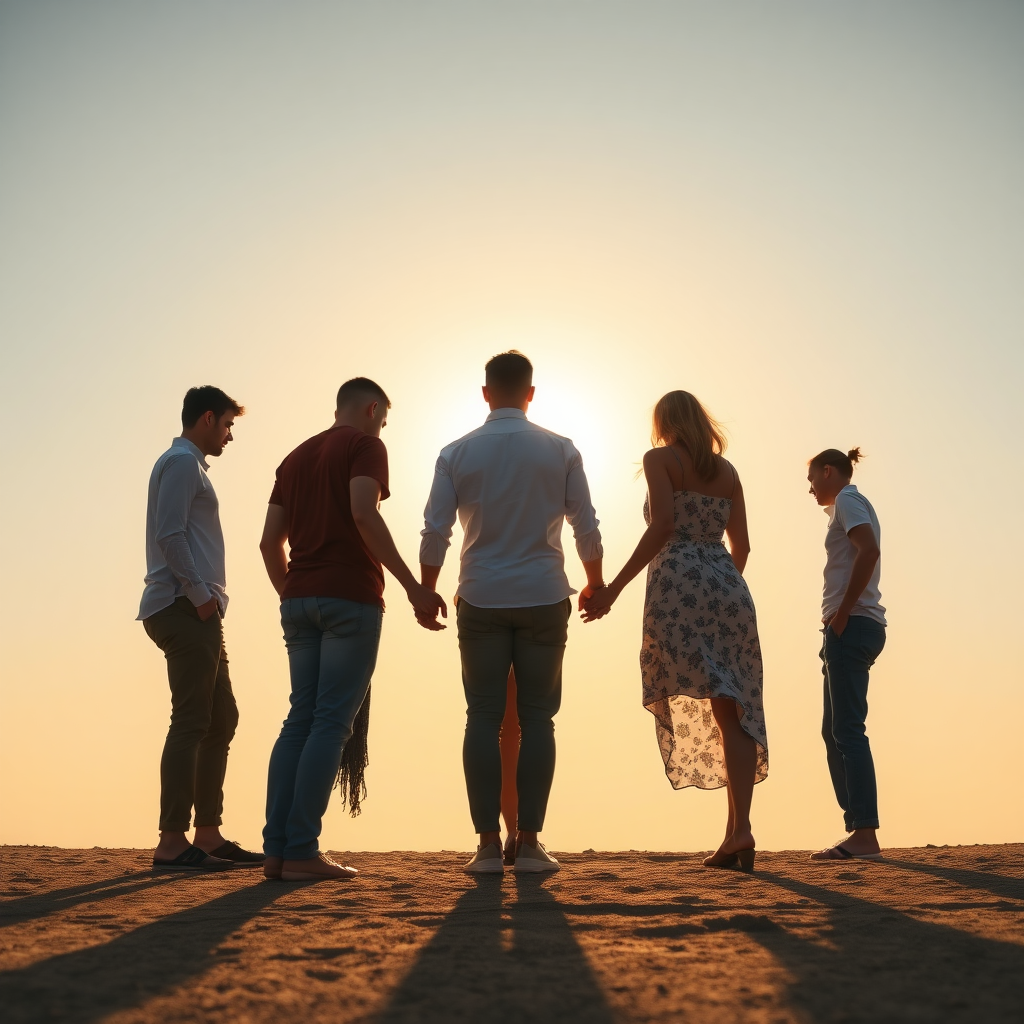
(180, 482)
(438, 516)
(579, 511)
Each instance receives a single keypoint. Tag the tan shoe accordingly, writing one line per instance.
(534, 860)
(488, 860)
(317, 869)
(272, 868)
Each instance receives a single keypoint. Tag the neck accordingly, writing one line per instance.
(350, 418)
(196, 439)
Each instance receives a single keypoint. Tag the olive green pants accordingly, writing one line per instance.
(491, 641)
(203, 716)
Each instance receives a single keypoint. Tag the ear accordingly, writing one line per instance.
(209, 418)
(529, 394)
(486, 391)
(371, 410)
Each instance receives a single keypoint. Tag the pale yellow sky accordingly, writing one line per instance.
(809, 215)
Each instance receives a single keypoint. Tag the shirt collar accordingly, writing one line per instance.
(830, 510)
(184, 442)
(506, 414)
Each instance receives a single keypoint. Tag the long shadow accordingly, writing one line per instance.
(501, 956)
(25, 908)
(998, 885)
(84, 986)
(876, 963)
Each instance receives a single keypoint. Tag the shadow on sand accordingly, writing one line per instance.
(25, 908)
(89, 984)
(876, 963)
(499, 953)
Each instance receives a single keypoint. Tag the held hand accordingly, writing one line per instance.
(208, 610)
(596, 603)
(426, 604)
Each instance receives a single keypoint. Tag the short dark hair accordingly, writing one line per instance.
(207, 399)
(361, 387)
(835, 458)
(509, 373)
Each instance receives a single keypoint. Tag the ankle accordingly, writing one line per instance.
(176, 842)
(527, 838)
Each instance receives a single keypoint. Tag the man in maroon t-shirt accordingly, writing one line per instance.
(325, 506)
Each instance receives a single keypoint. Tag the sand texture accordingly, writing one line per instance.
(929, 935)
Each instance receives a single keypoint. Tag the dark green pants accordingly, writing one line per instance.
(491, 641)
(203, 716)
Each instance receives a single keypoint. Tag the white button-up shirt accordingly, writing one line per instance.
(511, 483)
(184, 542)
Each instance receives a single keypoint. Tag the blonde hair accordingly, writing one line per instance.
(680, 418)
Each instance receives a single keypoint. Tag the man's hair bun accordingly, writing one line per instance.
(854, 455)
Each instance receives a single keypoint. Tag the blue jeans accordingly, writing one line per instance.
(332, 650)
(845, 663)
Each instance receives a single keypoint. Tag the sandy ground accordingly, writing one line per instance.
(929, 935)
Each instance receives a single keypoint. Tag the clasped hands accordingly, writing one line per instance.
(425, 605)
(596, 601)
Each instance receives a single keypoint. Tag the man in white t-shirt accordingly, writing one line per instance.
(854, 635)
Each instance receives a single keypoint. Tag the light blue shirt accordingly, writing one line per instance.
(184, 542)
(512, 485)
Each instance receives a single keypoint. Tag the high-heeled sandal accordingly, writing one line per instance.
(741, 860)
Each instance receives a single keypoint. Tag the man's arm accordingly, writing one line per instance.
(364, 493)
(179, 484)
(868, 552)
(275, 535)
(580, 514)
(438, 520)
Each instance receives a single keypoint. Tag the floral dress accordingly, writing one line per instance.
(700, 641)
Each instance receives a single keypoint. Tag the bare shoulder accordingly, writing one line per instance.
(657, 458)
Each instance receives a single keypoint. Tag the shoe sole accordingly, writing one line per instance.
(476, 869)
(160, 868)
(311, 876)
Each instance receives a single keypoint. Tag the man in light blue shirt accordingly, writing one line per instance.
(512, 484)
(182, 607)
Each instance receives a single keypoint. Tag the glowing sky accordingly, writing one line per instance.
(809, 215)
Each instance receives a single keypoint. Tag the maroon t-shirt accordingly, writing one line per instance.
(328, 557)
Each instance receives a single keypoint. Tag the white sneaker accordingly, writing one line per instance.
(488, 860)
(534, 859)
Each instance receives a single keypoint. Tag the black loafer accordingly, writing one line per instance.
(239, 857)
(193, 859)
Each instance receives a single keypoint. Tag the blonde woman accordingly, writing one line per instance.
(701, 658)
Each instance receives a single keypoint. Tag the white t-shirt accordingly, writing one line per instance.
(851, 509)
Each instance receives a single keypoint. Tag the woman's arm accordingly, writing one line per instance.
(660, 506)
(736, 529)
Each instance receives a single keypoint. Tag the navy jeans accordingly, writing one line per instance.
(845, 663)
(332, 650)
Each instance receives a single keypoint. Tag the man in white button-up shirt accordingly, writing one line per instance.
(512, 484)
